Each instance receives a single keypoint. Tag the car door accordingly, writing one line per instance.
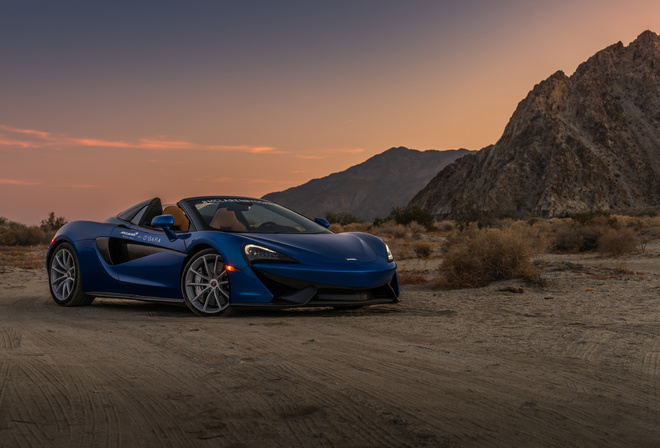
(147, 262)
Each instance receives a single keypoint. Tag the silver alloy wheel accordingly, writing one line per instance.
(206, 284)
(63, 274)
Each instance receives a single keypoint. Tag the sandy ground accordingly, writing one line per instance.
(576, 363)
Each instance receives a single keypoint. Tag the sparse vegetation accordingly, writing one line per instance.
(52, 223)
(342, 218)
(651, 213)
(423, 250)
(24, 257)
(408, 215)
(475, 257)
(17, 234)
(618, 242)
(392, 229)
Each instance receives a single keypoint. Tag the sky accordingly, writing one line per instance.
(107, 103)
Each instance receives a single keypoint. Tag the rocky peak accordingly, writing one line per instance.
(588, 141)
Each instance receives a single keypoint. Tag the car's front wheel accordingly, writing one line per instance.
(65, 278)
(205, 284)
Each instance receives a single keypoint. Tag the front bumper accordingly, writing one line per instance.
(359, 289)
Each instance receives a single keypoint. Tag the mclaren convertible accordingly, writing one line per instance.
(215, 252)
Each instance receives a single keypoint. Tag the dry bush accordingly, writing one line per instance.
(357, 227)
(617, 242)
(392, 229)
(423, 250)
(574, 237)
(401, 250)
(336, 228)
(476, 257)
(416, 229)
(444, 226)
(14, 234)
(412, 277)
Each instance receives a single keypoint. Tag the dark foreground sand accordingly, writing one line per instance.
(574, 364)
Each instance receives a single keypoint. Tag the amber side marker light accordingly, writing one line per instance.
(231, 268)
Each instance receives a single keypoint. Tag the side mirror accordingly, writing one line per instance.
(165, 222)
(323, 222)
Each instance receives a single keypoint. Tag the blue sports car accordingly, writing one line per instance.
(219, 251)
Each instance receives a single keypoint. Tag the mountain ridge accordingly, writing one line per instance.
(369, 189)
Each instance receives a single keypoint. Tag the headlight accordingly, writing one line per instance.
(254, 253)
(390, 257)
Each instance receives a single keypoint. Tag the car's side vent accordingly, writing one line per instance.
(103, 244)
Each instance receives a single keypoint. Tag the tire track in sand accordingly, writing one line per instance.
(651, 361)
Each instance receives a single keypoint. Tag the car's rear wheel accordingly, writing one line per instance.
(65, 278)
(205, 284)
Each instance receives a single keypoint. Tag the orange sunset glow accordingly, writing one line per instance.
(105, 104)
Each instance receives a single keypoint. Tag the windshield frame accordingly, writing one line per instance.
(243, 224)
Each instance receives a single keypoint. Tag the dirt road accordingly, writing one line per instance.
(573, 364)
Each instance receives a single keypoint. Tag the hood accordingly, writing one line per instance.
(323, 247)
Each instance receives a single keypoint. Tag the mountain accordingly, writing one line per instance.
(585, 142)
(370, 189)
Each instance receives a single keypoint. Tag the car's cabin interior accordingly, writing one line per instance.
(181, 223)
(226, 220)
(143, 213)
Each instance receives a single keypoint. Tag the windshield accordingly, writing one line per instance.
(252, 216)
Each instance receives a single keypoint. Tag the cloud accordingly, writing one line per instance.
(30, 138)
(77, 186)
(308, 157)
(18, 182)
(26, 183)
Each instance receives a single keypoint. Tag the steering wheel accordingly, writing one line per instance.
(267, 225)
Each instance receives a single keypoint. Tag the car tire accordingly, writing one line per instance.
(205, 284)
(65, 278)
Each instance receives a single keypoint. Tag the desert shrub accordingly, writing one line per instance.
(411, 277)
(412, 213)
(393, 229)
(483, 218)
(336, 228)
(423, 250)
(651, 213)
(533, 220)
(574, 237)
(416, 229)
(618, 242)
(567, 238)
(52, 224)
(511, 214)
(15, 234)
(357, 227)
(401, 249)
(475, 257)
(444, 226)
(342, 218)
(587, 217)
